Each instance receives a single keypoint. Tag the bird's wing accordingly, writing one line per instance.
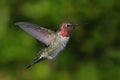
(42, 34)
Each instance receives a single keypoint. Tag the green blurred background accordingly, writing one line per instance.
(93, 52)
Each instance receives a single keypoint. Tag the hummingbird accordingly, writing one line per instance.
(54, 41)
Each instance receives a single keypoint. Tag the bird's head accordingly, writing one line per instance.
(66, 28)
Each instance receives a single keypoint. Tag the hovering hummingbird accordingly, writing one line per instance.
(55, 41)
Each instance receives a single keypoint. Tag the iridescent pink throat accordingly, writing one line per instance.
(64, 33)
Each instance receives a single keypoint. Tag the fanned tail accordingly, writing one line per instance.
(37, 59)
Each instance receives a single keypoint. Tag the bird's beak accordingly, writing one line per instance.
(75, 25)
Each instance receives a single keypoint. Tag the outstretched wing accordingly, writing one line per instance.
(42, 34)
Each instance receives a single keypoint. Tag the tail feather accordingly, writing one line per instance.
(37, 59)
(29, 65)
(34, 62)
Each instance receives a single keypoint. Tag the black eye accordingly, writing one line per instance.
(68, 25)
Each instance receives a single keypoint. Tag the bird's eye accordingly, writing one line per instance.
(68, 25)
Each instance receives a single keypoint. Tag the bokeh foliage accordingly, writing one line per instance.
(93, 52)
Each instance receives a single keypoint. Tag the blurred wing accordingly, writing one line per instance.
(42, 34)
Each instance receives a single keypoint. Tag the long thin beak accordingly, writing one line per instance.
(75, 25)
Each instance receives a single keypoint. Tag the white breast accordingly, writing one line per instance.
(62, 44)
(64, 40)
